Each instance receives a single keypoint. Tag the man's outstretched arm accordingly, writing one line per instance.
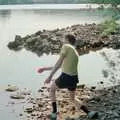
(55, 68)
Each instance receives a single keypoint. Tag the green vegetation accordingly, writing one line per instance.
(110, 27)
(114, 3)
(3, 2)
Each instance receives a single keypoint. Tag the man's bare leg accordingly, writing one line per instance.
(77, 102)
(80, 105)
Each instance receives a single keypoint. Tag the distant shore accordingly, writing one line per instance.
(54, 6)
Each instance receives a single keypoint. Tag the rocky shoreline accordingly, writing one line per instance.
(89, 37)
(105, 101)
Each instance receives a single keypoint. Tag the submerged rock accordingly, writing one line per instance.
(17, 96)
(11, 88)
(29, 108)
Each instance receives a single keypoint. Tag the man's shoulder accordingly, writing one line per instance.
(67, 46)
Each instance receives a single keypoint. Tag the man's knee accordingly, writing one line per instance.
(53, 87)
(52, 91)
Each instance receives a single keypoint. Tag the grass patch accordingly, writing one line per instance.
(110, 27)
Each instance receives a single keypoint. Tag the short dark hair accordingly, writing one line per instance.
(71, 38)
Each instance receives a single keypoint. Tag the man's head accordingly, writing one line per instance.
(70, 39)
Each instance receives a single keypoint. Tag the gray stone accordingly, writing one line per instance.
(11, 88)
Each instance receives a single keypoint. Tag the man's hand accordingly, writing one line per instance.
(47, 81)
(40, 70)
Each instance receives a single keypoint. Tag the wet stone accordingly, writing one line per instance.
(11, 88)
(17, 96)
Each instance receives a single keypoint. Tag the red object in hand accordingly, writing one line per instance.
(40, 70)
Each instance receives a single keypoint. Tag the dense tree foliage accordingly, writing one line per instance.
(43, 1)
(114, 3)
(4, 2)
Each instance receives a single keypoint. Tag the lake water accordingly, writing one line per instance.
(19, 68)
(50, 6)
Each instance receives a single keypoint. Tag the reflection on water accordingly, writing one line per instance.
(5, 14)
(50, 19)
(10, 111)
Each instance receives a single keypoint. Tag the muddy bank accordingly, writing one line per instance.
(89, 37)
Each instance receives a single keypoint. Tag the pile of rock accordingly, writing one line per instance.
(105, 101)
(40, 106)
(50, 41)
(17, 93)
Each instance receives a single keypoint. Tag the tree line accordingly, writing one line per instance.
(112, 2)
